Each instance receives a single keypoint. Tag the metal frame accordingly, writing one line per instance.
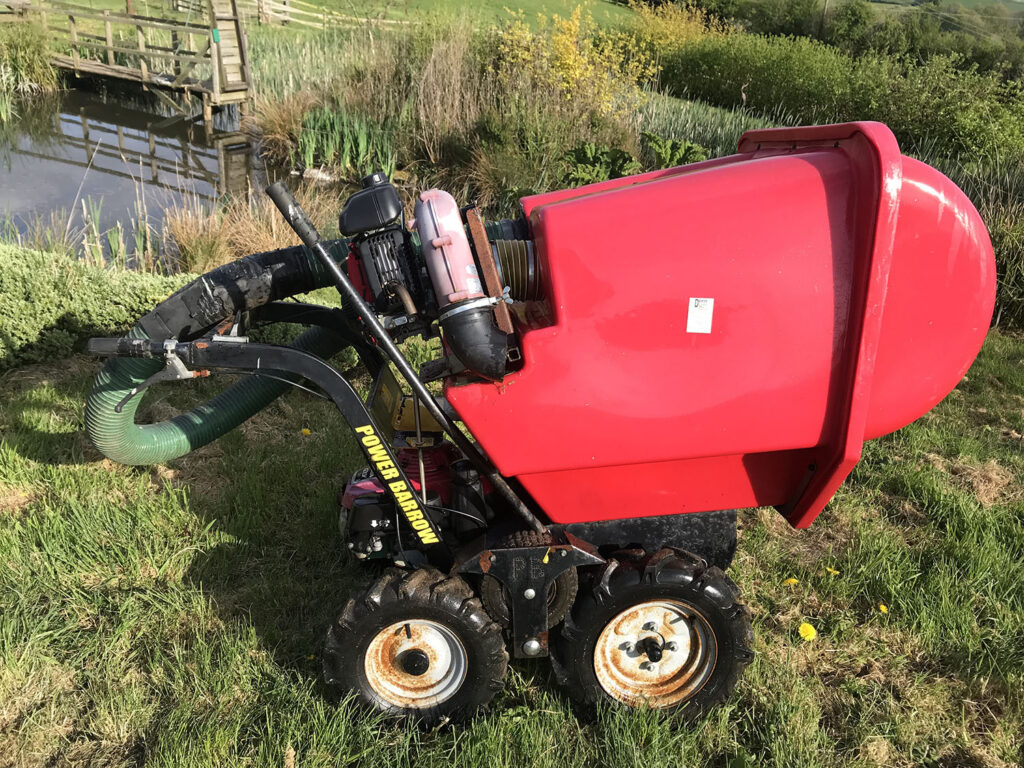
(234, 353)
(527, 572)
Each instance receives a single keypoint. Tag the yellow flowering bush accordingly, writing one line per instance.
(600, 70)
(668, 27)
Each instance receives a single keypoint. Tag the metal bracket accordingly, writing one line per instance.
(174, 370)
(527, 573)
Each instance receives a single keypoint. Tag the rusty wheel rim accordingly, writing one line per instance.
(659, 653)
(416, 664)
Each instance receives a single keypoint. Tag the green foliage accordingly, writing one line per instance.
(24, 65)
(25, 52)
(850, 26)
(717, 128)
(668, 153)
(336, 137)
(590, 163)
(936, 102)
(50, 304)
(987, 37)
(783, 17)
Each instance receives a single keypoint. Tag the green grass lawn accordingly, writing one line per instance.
(480, 11)
(173, 615)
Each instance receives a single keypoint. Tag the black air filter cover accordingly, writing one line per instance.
(373, 207)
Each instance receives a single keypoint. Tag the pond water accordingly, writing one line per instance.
(93, 159)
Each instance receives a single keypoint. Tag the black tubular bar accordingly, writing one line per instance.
(331, 318)
(299, 221)
(421, 523)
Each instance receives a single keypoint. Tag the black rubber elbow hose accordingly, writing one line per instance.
(203, 304)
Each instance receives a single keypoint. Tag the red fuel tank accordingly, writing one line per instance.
(727, 334)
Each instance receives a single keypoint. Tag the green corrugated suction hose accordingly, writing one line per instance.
(120, 439)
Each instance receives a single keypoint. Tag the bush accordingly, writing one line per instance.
(809, 80)
(50, 304)
(934, 103)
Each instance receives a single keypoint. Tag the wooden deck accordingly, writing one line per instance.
(200, 56)
(197, 51)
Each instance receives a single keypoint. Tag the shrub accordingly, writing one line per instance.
(937, 102)
(575, 60)
(52, 303)
(806, 78)
(666, 28)
(783, 17)
(589, 164)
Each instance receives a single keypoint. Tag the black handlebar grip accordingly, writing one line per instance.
(293, 213)
(102, 347)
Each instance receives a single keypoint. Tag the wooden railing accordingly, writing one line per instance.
(13, 10)
(305, 14)
(177, 54)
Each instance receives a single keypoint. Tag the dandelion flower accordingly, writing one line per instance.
(833, 571)
(807, 632)
(791, 582)
(306, 432)
(883, 608)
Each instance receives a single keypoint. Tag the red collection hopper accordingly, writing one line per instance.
(727, 334)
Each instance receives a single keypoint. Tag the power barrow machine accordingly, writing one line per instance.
(622, 368)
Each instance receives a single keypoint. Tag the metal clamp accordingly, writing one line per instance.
(174, 370)
(467, 306)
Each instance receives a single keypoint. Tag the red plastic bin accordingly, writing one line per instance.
(852, 288)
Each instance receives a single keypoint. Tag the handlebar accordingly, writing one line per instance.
(124, 347)
(293, 214)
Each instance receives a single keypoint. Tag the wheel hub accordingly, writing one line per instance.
(416, 664)
(659, 652)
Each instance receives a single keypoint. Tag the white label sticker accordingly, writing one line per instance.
(698, 317)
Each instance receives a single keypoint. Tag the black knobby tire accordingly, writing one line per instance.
(416, 601)
(719, 647)
(561, 593)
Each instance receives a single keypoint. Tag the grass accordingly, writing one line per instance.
(173, 615)
(605, 12)
(24, 67)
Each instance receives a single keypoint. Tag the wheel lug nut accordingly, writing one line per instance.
(649, 626)
(645, 665)
(670, 646)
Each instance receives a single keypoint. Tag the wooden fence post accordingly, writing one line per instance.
(109, 33)
(73, 28)
(176, 63)
(143, 65)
